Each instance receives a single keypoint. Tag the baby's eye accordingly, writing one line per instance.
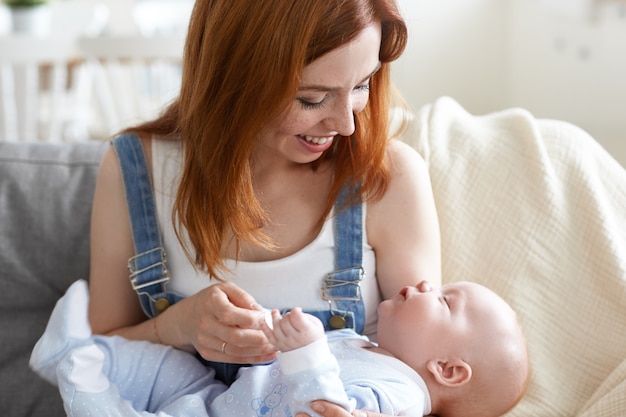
(446, 300)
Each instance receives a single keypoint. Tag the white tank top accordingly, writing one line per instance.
(292, 281)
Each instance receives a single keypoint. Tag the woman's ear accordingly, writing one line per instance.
(451, 373)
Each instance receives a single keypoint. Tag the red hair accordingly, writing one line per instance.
(242, 65)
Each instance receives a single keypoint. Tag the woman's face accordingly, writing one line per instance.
(333, 89)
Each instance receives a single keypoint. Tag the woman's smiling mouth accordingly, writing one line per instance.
(317, 140)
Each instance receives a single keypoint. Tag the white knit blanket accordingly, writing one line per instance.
(536, 210)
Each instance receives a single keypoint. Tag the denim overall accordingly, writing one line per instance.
(148, 268)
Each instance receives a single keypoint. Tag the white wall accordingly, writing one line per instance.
(572, 68)
(121, 17)
(493, 54)
(456, 48)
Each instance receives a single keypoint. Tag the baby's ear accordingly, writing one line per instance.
(450, 373)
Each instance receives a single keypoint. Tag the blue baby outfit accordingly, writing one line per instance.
(112, 376)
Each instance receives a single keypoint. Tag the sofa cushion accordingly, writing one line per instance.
(45, 205)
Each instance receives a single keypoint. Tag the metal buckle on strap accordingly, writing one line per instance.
(134, 272)
(333, 281)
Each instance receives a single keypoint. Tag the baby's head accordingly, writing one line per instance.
(465, 342)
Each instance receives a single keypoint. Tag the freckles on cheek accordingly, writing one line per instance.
(297, 121)
(298, 125)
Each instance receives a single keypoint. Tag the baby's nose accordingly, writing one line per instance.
(424, 286)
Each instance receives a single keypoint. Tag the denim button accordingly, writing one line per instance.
(337, 322)
(161, 305)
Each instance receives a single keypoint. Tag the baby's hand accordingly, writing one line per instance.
(296, 329)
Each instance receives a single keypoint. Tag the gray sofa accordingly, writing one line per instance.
(45, 206)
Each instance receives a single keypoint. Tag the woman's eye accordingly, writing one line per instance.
(363, 87)
(311, 105)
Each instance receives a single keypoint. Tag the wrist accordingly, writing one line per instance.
(155, 327)
(168, 332)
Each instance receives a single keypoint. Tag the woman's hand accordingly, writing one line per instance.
(328, 409)
(222, 323)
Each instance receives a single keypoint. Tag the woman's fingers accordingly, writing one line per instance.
(222, 323)
(328, 409)
(232, 306)
(237, 345)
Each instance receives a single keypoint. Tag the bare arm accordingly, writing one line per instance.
(113, 302)
(403, 227)
(202, 322)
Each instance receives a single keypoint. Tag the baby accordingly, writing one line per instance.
(454, 351)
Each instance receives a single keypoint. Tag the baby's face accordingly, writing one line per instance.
(422, 323)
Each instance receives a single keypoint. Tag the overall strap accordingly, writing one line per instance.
(342, 286)
(148, 269)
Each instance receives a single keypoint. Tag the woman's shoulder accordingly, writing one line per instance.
(409, 184)
(403, 156)
(154, 146)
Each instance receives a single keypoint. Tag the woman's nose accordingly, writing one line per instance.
(341, 118)
(424, 286)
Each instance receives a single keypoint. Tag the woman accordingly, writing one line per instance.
(283, 109)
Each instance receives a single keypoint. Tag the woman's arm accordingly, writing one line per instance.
(202, 322)
(403, 227)
(113, 303)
